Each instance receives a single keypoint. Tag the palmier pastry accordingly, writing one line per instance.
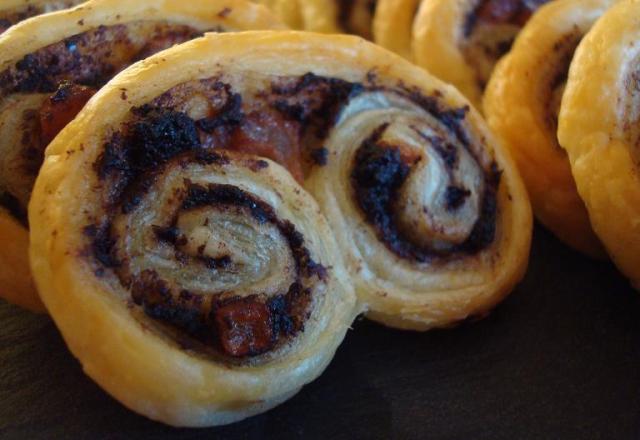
(432, 217)
(598, 127)
(194, 279)
(460, 41)
(51, 65)
(334, 16)
(522, 103)
(429, 210)
(14, 11)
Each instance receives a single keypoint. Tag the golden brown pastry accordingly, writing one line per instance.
(289, 11)
(356, 16)
(333, 16)
(460, 41)
(598, 127)
(196, 282)
(393, 25)
(51, 65)
(522, 103)
(14, 11)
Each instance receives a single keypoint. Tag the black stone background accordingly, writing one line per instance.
(559, 359)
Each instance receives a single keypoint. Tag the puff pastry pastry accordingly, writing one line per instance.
(598, 127)
(196, 284)
(51, 65)
(328, 16)
(14, 11)
(522, 103)
(460, 41)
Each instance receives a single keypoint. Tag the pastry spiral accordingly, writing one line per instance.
(51, 65)
(429, 211)
(328, 16)
(522, 103)
(14, 11)
(598, 129)
(460, 41)
(196, 284)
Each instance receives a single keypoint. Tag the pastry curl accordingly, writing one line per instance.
(521, 104)
(196, 284)
(460, 41)
(393, 25)
(51, 65)
(15, 11)
(598, 127)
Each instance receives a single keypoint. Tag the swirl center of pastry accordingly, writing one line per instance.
(211, 260)
(223, 269)
(440, 201)
(415, 179)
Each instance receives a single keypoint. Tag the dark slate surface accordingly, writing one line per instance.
(559, 359)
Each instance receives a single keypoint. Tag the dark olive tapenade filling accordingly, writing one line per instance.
(560, 61)
(91, 58)
(377, 177)
(629, 104)
(71, 71)
(286, 122)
